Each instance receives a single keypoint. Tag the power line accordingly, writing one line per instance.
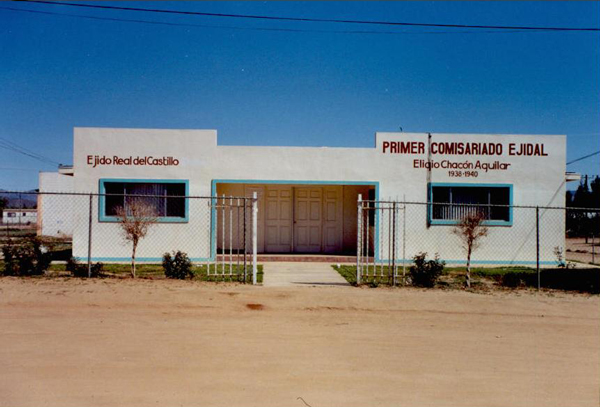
(257, 28)
(314, 20)
(584, 157)
(19, 169)
(42, 159)
(9, 145)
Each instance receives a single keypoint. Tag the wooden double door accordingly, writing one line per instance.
(299, 219)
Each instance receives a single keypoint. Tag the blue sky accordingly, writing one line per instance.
(299, 89)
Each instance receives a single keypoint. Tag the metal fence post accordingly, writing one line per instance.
(245, 241)
(231, 237)
(90, 240)
(394, 246)
(254, 235)
(404, 241)
(237, 238)
(593, 248)
(367, 236)
(358, 237)
(214, 215)
(223, 251)
(390, 239)
(537, 244)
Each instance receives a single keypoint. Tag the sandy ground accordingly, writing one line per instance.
(583, 252)
(170, 343)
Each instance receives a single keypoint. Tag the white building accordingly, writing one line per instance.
(308, 196)
(19, 216)
(57, 221)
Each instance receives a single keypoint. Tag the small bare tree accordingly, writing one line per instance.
(471, 230)
(136, 219)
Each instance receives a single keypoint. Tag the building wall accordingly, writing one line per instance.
(192, 147)
(56, 211)
(535, 180)
(350, 197)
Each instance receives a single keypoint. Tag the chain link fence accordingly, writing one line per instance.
(391, 233)
(216, 232)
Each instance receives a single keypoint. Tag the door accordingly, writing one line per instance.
(278, 219)
(308, 211)
(333, 214)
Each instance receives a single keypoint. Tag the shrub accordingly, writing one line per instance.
(177, 266)
(27, 258)
(425, 272)
(560, 259)
(81, 270)
(583, 280)
(8, 253)
(511, 280)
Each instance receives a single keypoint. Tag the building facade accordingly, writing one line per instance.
(308, 195)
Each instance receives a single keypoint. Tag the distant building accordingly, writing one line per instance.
(19, 216)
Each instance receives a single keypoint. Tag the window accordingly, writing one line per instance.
(165, 197)
(453, 201)
(11, 214)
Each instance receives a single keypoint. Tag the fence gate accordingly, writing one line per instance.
(381, 246)
(233, 238)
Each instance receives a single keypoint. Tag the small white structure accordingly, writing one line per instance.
(308, 195)
(55, 210)
(19, 216)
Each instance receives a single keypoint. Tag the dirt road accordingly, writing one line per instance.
(169, 343)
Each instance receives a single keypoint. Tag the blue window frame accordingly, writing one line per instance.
(166, 197)
(449, 202)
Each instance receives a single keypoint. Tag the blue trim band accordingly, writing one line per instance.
(291, 182)
(138, 259)
(205, 259)
(163, 219)
(398, 262)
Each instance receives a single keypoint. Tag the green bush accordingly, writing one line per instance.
(583, 280)
(27, 258)
(81, 270)
(177, 266)
(511, 280)
(425, 272)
